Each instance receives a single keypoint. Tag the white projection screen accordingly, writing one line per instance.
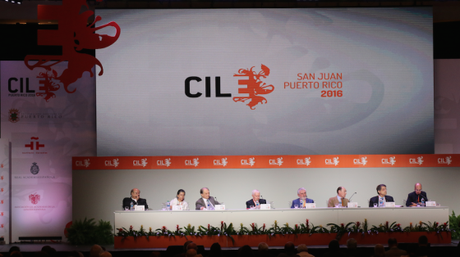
(266, 82)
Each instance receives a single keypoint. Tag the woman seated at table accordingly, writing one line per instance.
(179, 200)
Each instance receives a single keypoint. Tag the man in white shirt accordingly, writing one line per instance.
(206, 202)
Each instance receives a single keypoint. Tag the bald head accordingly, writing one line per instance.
(105, 254)
(263, 246)
(302, 248)
(95, 251)
(135, 193)
(418, 188)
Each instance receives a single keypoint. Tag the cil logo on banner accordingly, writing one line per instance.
(417, 161)
(361, 161)
(73, 37)
(445, 161)
(334, 161)
(166, 162)
(222, 162)
(278, 161)
(193, 162)
(390, 161)
(140, 163)
(248, 162)
(85, 163)
(112, 163)
(251, 94)
(306, 161)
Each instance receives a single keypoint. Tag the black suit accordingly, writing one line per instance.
(413, 198)
(141, 201)
(375, 199)
(251, 202)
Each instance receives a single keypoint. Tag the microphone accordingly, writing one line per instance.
(352, 196)
(215, 199)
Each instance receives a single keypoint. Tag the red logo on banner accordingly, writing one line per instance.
(254, 86)
(37, 144)
(74, 35)
(1, 190)
(2, 226)
(34, 198)
(13, 115)
(1, 202)
(1, 214)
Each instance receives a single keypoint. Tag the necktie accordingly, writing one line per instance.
(418, 199)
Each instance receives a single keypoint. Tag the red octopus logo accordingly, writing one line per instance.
(74, 35)
(254, 86)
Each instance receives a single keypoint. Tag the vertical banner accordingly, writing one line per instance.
(4, 190)
(46, 125)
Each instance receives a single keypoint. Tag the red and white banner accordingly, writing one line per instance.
(4, 189)
(45, 133)
(265, 161)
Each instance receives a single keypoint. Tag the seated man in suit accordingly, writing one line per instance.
(339, 199)
(302, 200)
(135, 199)
(415, 198)
(255, 202)
(206, 202)
(381, 198)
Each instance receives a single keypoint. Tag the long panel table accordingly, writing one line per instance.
(316, 216)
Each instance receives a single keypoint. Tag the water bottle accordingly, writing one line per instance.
(168, 205)
(380, 202)
(257, 205)
(301, 203)
(131, 206)
(423, 201)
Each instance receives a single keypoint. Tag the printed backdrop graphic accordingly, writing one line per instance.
(4, 190)
(267, 82)
(45, 134)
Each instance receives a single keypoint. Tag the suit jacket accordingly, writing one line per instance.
(297, 201)
(200, 203)
(333, 201)
(141, 201)
(251, 202)
(375, 199)
(413, 198)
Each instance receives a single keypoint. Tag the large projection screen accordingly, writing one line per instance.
(267, 82)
